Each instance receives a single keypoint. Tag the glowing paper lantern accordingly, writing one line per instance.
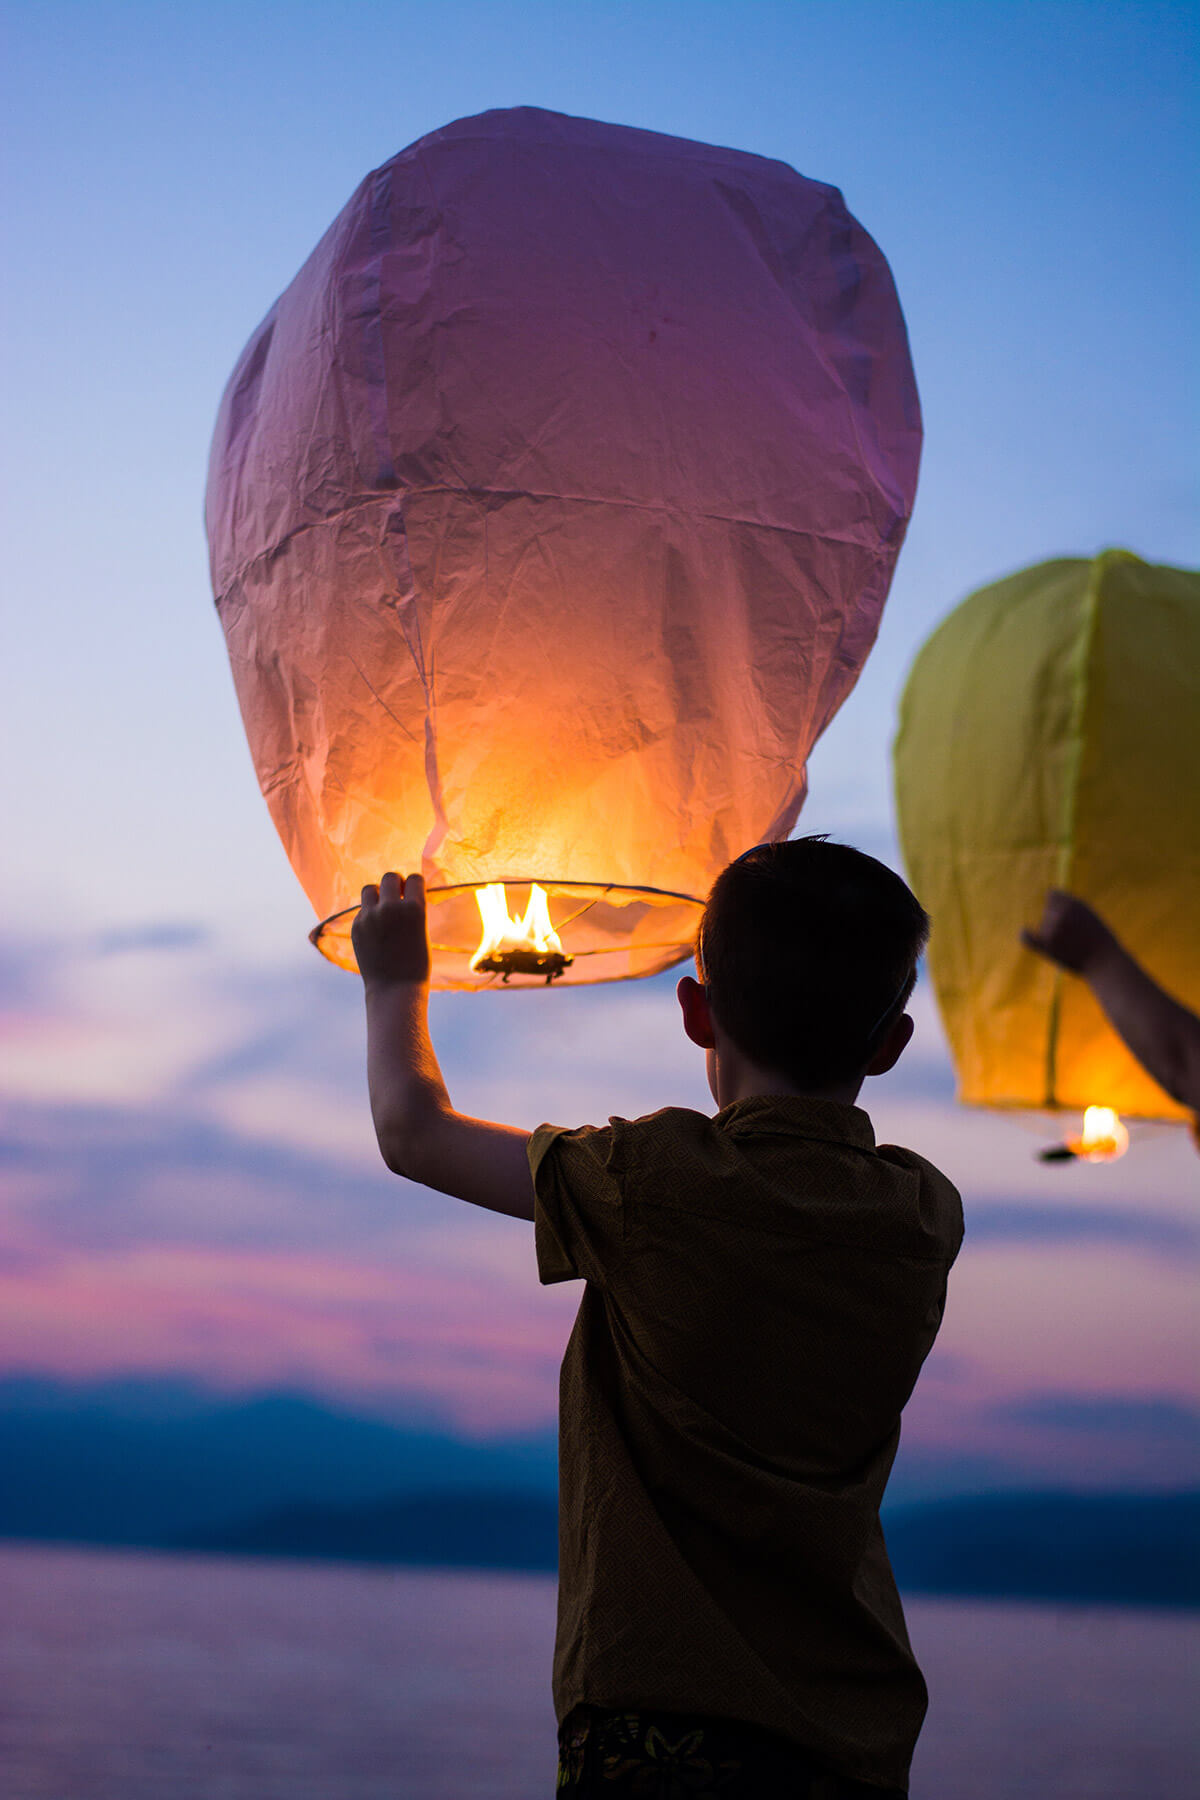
(1050, 737)
(551, 512)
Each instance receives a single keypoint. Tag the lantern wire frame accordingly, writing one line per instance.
(608, 931)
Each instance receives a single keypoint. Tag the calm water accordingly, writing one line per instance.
(127, 1677)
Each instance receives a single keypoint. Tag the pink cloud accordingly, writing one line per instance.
(194, 1190)
(484, 1354)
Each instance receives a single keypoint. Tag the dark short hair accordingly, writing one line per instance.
(809, 952)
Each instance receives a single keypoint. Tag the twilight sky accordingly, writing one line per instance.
(188, 1179)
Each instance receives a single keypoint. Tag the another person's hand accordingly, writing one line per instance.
(389, 935)
(1070, 934)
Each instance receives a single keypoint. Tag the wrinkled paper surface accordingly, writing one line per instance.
(553, 505)
(1050, 737)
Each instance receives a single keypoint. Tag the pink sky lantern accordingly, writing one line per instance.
(551, 511)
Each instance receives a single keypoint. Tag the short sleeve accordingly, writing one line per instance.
(579, 1210)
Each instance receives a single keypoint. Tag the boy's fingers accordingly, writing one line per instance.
(370, 896)
(414, 889)
(390, 886)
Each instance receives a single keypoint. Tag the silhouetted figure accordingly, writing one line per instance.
(761, 1289)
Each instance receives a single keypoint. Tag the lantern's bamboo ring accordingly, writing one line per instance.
(332, 935)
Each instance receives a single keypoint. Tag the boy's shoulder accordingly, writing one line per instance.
(623, 1145)
(938, 1203)
(790, 1124)
(815, 1154)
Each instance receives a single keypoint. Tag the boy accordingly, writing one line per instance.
(761, 1290)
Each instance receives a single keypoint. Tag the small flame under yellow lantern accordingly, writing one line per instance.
(1103, 1137)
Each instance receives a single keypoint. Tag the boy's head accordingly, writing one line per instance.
(808, 953)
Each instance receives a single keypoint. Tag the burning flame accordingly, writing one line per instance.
(1103, 1138)
(502, 934)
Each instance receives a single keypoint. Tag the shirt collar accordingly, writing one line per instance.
(796, 1115)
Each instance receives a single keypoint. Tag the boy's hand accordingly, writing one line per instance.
(389, 935)
(1070, 934)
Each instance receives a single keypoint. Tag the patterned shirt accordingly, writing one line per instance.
(762, 1288)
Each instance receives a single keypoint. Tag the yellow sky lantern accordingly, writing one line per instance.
(551, 511)
(1050, 737)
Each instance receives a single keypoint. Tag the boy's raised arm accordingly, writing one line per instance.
(420, 1134)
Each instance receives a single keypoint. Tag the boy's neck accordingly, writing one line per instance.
(733, 1077)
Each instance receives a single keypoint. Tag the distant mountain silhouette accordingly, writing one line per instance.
(148, 1462)
(1125, 1549)
(1122, 1549)
(161, 1465)
(456, 1530)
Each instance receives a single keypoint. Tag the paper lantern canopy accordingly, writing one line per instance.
(551, 511)
(1050, 737)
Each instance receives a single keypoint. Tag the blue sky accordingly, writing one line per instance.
(182, 1074)
(1028, 171)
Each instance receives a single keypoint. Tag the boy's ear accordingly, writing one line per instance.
(697, 1018)
(892, 1047)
